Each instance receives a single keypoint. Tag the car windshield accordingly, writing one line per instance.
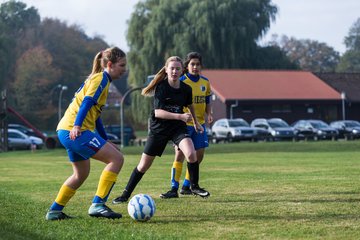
(352, 124)
(319, 124)
(238, 123)
(276, 124)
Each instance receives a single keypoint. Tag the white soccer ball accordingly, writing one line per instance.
(141, 207)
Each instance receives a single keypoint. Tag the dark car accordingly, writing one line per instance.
(317, 129)
(348, 129)
(129, 133)
(278, 128)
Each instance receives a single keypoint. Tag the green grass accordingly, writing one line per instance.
(302, 190)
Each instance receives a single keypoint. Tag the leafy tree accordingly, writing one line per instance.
(16, 24)
(34, 73)
(350, 61)
(308, 54)
(224, 32)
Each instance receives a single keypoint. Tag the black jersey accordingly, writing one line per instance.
(172, 100)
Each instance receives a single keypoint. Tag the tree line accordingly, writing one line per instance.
(37, 55)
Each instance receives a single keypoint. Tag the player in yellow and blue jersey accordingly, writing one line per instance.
(76, 132)
(201, 92)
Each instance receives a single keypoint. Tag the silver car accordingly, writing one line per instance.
(232, 130)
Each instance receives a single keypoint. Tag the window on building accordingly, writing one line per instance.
(247, 109)
(281, 108)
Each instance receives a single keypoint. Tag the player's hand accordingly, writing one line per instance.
(186, 117)
(199, 128)
(75, 132)
(210, 118)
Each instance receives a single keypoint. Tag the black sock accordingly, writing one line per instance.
(133, 181)
(194, 173)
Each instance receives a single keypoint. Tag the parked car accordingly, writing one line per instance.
(20, 141)
(113, 138)
(23, 129)
(28, 132)
(320, 129)
(278, 128)
(348, 129)
(129, 133)
(232, 130)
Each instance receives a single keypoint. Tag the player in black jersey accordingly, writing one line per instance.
(168, 122)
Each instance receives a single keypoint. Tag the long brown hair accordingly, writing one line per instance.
(149, 90)
(101, 59)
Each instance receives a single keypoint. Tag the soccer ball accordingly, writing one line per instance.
(141, 207)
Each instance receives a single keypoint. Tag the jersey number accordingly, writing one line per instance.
(95, 142)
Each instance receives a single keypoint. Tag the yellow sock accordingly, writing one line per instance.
(106, 182)
(64, 195)
(176, 174)
(187, 175)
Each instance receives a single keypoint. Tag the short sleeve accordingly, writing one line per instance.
(159, 98)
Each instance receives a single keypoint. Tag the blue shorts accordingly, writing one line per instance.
(83, 147)
(200, 140)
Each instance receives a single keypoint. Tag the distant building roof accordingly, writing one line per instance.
(269, 85)
(349, 83)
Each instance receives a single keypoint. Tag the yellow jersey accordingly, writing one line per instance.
(201, 92)
(96, 87)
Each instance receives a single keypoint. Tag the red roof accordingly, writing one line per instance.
(269, 85)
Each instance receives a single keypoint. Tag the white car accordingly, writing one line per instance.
(232, 130)
(18, 140)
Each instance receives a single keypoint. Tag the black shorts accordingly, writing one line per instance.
(156, 143)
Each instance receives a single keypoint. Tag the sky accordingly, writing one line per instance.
(326, 21)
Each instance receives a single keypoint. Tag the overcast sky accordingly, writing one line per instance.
(326, 21)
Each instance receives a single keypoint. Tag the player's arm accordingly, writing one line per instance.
(85, 106)
(208, 110)
(100, 128)
(163, 114)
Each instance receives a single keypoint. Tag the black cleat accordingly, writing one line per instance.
(185, 191)
(101, 210)
(198, 191)
(170, 194)
(120, 199)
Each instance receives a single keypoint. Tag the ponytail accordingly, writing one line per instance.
(97, 64)
(149, 90)
(101, 59)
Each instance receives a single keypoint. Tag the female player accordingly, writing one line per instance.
(76, 131)
(168, 122)
(201, 92)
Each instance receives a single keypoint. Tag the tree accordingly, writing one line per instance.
(16, 24)
(34, 73)
(350, 61)
(309, 55)
(224, 32)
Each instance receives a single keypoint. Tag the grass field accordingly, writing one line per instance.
(302, 190)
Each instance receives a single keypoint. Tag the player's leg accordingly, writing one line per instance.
(135, 177)
(155, 146)
(200, 142)
(114, 160)
(81, 171)
(186, 145)
(185, 190)
(175, 174)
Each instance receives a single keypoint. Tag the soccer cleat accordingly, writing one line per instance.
(101, 210)
(185, 191)
(196, 190)
(56, 215)
(120, 199)
(170, 194)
